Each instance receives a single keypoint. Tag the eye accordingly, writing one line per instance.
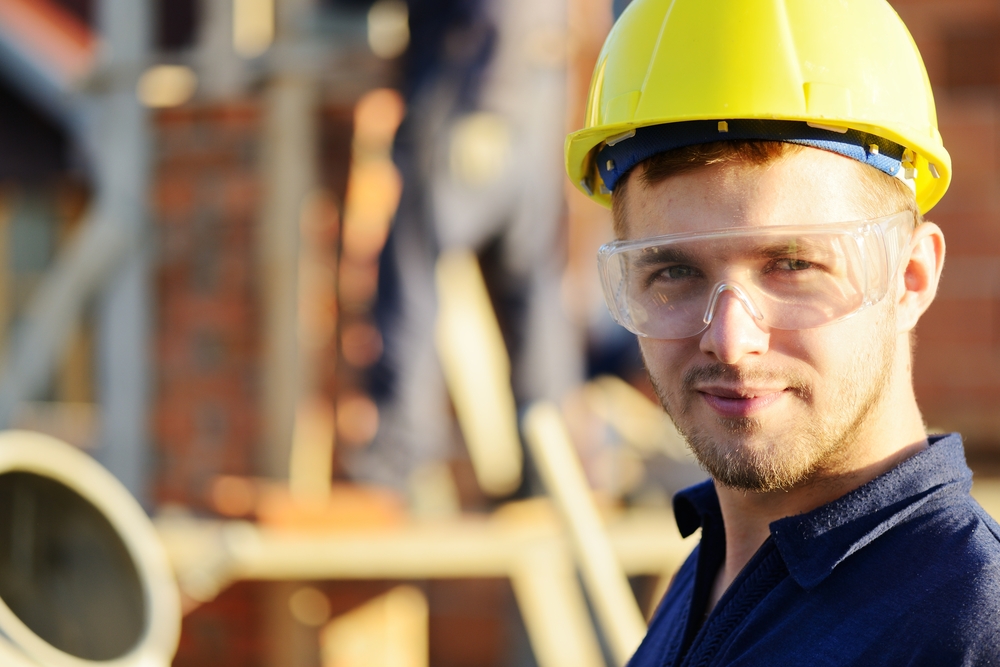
(679, 271)
(791, 264)
(672, 276)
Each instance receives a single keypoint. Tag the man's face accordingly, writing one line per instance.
(763, 408)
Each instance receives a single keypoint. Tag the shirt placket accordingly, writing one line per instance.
(757, 579)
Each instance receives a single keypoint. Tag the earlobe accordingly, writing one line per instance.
(918, 279)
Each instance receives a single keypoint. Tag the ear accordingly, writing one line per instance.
(918, 280)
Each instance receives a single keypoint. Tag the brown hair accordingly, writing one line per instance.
(880, 195)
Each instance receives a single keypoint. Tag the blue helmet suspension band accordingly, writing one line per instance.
(621, 153)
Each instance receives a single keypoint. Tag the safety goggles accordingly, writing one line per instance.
(786, 277)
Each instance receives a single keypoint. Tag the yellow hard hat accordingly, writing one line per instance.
(844, 75)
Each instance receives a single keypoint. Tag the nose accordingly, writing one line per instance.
(735, 331)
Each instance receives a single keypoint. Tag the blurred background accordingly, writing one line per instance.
(300, 265)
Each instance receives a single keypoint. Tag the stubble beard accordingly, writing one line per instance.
(750, 459)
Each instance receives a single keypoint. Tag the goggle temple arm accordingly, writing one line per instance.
(886, 241)
(612, 299)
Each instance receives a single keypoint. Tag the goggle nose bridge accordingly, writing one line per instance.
(741, 295)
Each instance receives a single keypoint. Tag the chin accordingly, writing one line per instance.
(741, 455)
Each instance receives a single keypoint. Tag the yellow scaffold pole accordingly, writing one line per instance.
(617, 610)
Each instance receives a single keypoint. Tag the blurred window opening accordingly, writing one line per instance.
(33, 148)
(176, 23)
(64, 570)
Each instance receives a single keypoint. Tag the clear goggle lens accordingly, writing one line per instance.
(788, 277)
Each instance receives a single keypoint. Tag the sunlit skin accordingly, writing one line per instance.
(833, 406)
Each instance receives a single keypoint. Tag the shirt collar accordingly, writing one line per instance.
(813, 544)
(696, 506)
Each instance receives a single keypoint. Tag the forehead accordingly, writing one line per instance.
(806, 187)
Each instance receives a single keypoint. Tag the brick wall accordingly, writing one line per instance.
(206, 197)
(957, 368)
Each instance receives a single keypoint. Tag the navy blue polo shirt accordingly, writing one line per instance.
(904, 570)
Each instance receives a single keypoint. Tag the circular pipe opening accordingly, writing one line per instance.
(65, 571)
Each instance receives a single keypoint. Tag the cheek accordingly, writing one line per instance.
(647, 350)
(831, 353)
(813, 356)
(666, 360)
(816, 356)
(807, 347)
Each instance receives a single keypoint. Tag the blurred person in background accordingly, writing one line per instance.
(768, 166)
(485, 89)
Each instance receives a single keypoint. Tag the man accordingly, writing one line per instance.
(768, 166)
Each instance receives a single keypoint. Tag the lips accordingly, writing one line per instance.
(740, 402)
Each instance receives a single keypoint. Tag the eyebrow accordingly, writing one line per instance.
(656, 256)
(797, 246)
(669, 254)
(780, 249)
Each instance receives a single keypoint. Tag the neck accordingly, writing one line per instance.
(894, 434)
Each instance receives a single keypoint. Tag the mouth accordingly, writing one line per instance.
(734, 402)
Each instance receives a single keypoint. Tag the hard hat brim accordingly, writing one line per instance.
(932, 163)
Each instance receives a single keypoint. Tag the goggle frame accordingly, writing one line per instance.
(879, 243)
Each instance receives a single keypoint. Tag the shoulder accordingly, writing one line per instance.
(960, 536)
(970, 554)
(953, 581)
(988, 522)
(926, 591)
(956, 543)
